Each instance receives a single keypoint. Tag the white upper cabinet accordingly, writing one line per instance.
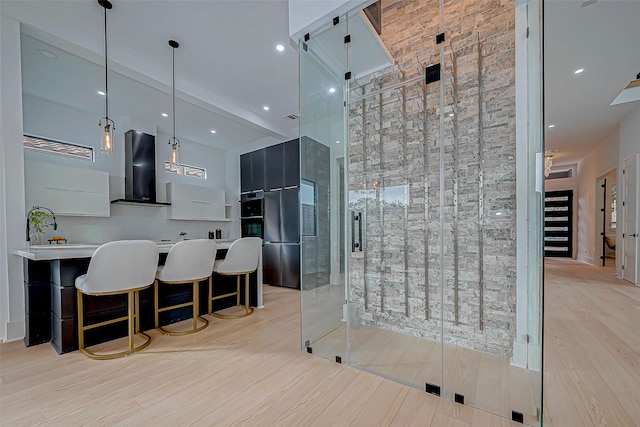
(67, 191)
(196, 203)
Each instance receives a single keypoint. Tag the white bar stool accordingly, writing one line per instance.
(125, 266)
(189, 261)
(242, 259)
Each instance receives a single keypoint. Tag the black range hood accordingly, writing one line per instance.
(140, 169)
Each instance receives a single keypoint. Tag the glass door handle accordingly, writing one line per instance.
(356, 217)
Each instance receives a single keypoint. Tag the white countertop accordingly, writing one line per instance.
(80, 250)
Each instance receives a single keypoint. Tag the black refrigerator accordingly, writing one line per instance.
(281, 251)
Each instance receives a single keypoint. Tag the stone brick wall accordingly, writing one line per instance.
(396, 176)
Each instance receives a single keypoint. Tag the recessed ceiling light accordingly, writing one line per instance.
(101, 93)
(280, 48)
(332, 90)
(48, 54)
(165, 115)
(498, 213)
(265, 108)
(451, 114)
(213, 131)
(337, 142)
(578, 71)
(552, 126)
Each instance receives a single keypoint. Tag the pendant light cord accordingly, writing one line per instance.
(106, 69)
(174, 45)
(173, 85)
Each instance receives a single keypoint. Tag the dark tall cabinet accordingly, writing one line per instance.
(284, 211)
(252, 171)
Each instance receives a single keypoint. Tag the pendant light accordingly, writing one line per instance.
(107, 125)
(174, 142)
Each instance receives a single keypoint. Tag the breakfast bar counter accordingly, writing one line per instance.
(50, 296)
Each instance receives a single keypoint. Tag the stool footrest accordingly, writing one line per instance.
(105, 323)
(190, 331)
(171, 307)
(247, 312)
(108, 356)
(217, 297)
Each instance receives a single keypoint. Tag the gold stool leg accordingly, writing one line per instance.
(196, 299)
(238, 290)
(80, 320)
(131, 306)
(195, 304)
(210, 294)
(246, 293)
(133, 326)
(136, 297)
(155, 302)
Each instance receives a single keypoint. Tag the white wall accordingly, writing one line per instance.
(12, 220)
(51, 119)
(600, 160)
(629, 144)
(629, 135)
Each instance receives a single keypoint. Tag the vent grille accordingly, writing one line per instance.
(292, 116)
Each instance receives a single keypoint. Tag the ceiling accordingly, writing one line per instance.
(603, 38)
(227, 67)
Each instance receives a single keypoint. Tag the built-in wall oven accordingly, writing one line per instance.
(251, 214)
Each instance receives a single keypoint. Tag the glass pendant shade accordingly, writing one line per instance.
(174, 142)
(106, 139)
(107, 125)
(174, 156)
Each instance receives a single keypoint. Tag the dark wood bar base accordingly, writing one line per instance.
(51, 305)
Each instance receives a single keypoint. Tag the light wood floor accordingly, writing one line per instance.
(251, 372)
(592, 347)
(236, 372)
(486, 381)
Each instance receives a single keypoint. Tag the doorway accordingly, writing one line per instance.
(558, 224)
(606, 218)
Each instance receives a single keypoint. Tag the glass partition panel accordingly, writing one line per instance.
(394, 199)
(442, 235)
(322, 148)
(488, 300)
(485, 321)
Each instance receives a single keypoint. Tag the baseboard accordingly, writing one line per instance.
(526, 356)
(15, 330)
(519, 357)
(586, 260)
(535, 358)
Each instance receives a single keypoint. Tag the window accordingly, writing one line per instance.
(186, 170)
(557, 174)
(308, 202)
(58, 148)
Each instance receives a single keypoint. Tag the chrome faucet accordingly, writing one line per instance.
(35, 208)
